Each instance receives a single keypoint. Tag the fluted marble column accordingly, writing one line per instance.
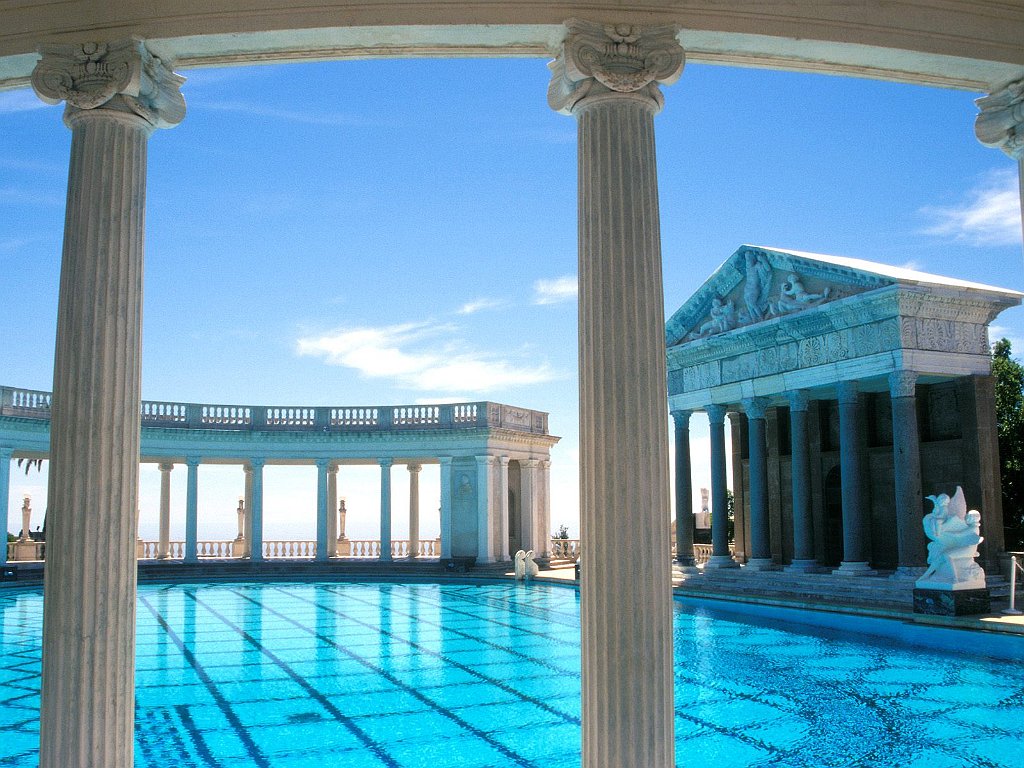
(544, 511)
(484, 524)
(332, 506)
(247, 549)
(255, 517)
(501, 548)
(5, 492)
(800, 456)
(192, 509)
(912, 545)
(164, 540)
(760, 538)
(684, 490)
(529, 495)
(116, 94)
(851, 467)
(1000, 123)
(446, 506)
(385, 509)
(322, 508)
(607, 76)
(720, 557)
(414, 509)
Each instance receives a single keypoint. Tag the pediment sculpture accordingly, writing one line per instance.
(955, 534)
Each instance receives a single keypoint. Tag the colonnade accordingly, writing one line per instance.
(608, 78)
(912, 553)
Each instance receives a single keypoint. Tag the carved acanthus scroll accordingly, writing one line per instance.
(1001, 120)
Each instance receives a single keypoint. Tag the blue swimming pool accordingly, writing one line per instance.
(285, 675)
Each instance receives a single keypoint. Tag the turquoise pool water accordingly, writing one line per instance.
(284, 675)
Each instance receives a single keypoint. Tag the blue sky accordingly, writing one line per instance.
(371, 232)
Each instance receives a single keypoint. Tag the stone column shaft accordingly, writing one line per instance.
(446, 506)
(163, 543)
(544, 511)
(116, 93)
(5, 492)
(247, 548)
(255, 517)
(720, 557)
(851, 467)
(192, 510)
(322, 508)
(484, 521)
(607, 78)
(414, 509)
(760, 534)
(684, 490)
(385, 509)
(912, 546)
(800, 455)
(501, 549)
(528, 505)
(332, 506)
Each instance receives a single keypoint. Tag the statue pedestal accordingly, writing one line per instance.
(952, 602)
(238, 548)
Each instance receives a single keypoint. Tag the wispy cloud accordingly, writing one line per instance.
(20, 101)
(313, 117)
(425, 356)
(997, 332)
(555, 290)
(471, 307)
(30, 197)
(913, 265)
(989, 214)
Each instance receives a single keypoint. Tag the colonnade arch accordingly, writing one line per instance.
(946, 44)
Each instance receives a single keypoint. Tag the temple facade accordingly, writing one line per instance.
(853, 390)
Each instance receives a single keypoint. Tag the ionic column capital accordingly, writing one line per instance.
(414, 468)
(485, 460)
(716, 413)
(385, 463)
(332, 468)
(846, 392)
(682, 419)
(195, 461)
(322, 464)
(121, 76)
(255, 464)
(1000, 122)
(903, 383)
(166, 466)
(799, 399)
(446, 461)
(504, 460)
(755, 407)
(598, 61)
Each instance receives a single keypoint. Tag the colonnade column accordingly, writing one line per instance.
(684, 490)
(484, 493)
(607, 77)
(760, 537)
(192, 510)
(544, 510)
(322, 508)
(116, 94)
(851, 466)
(528, 504)
(164, 541)
(800, 455)
(720, 557)
(912, 547)
(332, 510)
(1001, 124)
(255, 517)
(385, 509)
(5, 491)
(414, 509)
(502, 553)
(446, 506)
(247, 548)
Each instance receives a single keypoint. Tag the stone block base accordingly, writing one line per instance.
(457, 564)
(952, 602)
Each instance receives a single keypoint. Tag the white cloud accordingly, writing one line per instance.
(423, 356)
(913, 265)
(997, 332)
(291, 115)
(20, 101)
(990, 214)
(475, 306)
(556, 290)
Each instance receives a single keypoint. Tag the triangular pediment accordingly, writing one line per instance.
(758, 284)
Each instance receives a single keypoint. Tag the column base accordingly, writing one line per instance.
(720, 561)
(686, 561)
(760, 564)
(803, 566)
(681, 569)
(855, 568)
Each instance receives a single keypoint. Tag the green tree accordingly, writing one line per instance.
(1009, 384)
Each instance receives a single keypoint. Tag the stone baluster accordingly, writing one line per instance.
(116, 94)
(255, 516)
(6, 454)
(851, 468)
(607, 77)
(484, 492)
(332, 505)
(720, 557)
(760, 535)
(800, 456)
(911, 543)
(323, 508)
(684, 490)
(414, 509)
(385, 509)
(1000, 123)
(446, 507)
(164, 536)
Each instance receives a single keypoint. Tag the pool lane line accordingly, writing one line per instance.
(393, 679)
(530, 610)
(497, 646)
(254, 752)
(426, 651)
(313, 693)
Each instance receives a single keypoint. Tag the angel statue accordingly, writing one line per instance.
(758, 283)
(955, 534)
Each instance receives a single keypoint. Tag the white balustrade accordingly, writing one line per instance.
(353, 417)
(364, 548)
(464, 413)
(25, 551)
(290, 418)
(415, 415)
(296, 549)
(226, 415)
(565, 549)
(164, 414)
